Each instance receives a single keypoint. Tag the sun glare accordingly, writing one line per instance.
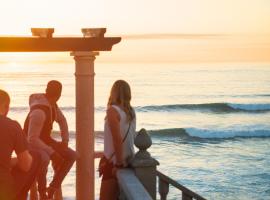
(193, 16)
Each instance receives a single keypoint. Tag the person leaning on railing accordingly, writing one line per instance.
(119, 133)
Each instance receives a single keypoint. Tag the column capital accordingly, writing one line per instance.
(84, 53)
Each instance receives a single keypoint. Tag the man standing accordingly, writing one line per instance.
(16, 174)
(38, 126)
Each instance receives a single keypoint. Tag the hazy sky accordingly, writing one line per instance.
(136, 16)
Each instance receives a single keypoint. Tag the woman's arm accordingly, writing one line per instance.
(114, 124)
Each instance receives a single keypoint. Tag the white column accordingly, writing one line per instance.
(85, 176)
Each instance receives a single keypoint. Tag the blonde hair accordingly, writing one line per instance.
(121, 95)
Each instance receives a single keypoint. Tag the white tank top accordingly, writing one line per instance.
(128, 144)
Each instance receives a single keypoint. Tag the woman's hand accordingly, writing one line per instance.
(115, 168)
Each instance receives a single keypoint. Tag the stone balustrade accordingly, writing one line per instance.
(145, 169)
(131, 187)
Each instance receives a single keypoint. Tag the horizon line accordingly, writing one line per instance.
(186, 35)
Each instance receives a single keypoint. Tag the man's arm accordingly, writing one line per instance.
(36, 121)
(62, 122)
(13, 161)
(24, 161)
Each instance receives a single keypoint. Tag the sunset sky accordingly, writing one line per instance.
(239, 29)
(137, 16)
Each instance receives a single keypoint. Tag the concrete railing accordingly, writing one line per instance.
(130, 187)
(143, 164)
(163, 188)
(145, 168)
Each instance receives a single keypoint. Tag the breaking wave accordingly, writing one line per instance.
(210, 107)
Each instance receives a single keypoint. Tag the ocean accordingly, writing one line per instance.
(209, 121)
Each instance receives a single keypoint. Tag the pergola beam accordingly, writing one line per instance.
(33, 44)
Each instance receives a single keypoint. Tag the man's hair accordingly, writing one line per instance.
(4, 98)
(54, 88)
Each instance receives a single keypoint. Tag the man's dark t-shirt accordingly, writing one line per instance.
(11, 139)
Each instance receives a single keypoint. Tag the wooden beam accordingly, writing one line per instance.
(32, 44)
